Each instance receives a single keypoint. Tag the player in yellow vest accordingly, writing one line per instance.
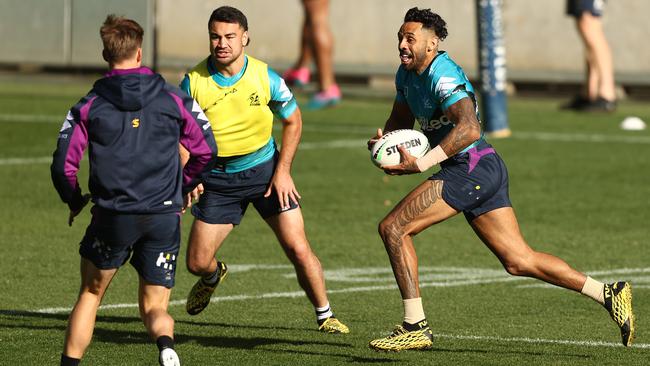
(240, 96)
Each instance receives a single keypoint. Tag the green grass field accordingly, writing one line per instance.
(579, 185)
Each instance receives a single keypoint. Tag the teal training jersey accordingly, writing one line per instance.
(429, 94)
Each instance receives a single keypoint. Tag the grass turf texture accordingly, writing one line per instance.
(580, 193)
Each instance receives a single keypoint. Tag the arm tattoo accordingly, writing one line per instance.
(466, 130)
(410, 209)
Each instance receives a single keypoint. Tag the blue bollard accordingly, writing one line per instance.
(492, 68)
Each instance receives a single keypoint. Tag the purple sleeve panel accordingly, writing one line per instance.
(72, 142)
(77, 145)
(197, 138)
(73, 156)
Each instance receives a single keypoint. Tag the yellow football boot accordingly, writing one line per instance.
(333, 325)
(401, 339)
(618, 301)
(199, 297)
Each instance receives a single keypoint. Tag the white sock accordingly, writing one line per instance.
(413, 311)
(594, 289)
(324, 312)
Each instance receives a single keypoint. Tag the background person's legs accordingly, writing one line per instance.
(299, 74)
(317, 44)
(600, 73)
(322, 41)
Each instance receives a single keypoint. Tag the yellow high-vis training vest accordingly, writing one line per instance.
(239, 114)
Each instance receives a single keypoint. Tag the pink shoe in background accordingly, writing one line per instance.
(326, 98)
(297, 77)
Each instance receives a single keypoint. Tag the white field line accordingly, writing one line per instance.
(368, 131)
(334, 144)
(581, 137)
(551, 287)
(455, 276)
(343, 143)
(539, 341)
(633, 275)
(31, 118)
(291, 294)
(26, 161)
(520, 135)
(361, 143)
(373, 288)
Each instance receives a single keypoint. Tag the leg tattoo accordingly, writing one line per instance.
(393, 234)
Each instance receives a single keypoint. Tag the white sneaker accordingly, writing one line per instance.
(168, 357)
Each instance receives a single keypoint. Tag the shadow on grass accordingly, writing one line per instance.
(279, 345)
(242, 326)
(64, 316)
(20, 319)
(379, 358)
(30, 320)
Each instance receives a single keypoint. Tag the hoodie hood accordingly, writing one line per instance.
(129, 89)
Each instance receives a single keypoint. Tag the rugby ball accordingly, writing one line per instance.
(385, 153)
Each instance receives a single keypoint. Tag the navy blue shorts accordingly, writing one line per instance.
(576, 8)
(475, 182)
(227, 195)
(153, 239)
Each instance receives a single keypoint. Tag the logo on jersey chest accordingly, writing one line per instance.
(434, 123)
(254, 99)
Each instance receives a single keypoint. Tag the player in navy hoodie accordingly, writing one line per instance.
(132, 122)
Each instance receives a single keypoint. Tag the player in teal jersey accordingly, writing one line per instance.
(473, 179)
(432, 92)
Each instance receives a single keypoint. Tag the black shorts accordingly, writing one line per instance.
(576, 8)
(227, 195)
(153, 239)
(475, 182)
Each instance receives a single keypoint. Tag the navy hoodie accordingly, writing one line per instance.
(132, 122)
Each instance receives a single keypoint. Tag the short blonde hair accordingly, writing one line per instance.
(121, 37)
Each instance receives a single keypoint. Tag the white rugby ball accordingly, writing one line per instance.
(385, 153)
(633, 123)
